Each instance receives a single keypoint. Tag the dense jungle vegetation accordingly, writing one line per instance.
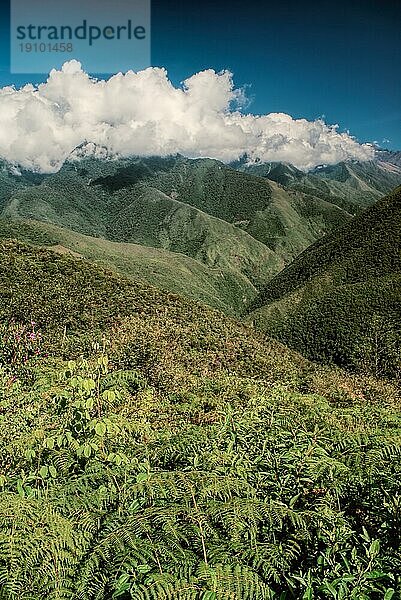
(152, 448)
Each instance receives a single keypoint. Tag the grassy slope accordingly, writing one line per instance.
(236, 230)
(343, 292)
(73, 301)
(143, 215)
(268, 212)
(187, 206)
(221, 287)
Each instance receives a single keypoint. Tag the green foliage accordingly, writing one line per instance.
(277, 498)
(164, 451)
(194, 227)
(340, 300)
(18, 345)
(221, 286)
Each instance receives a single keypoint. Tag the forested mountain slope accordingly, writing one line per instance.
(196, 227)
(340, 300)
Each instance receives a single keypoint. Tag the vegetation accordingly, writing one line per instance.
(154, 449)
(352, 186)
(235, 223)
(225, 287)
(339, 301)
(195, 227)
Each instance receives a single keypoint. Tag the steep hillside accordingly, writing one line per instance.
(222, 286)
(268, 213)
(208, 231)
(13, 179)
(200, 208)
(340, 299)
(152, 448)
(390, 156)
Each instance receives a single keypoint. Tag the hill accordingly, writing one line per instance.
(351, 186)
(340, 299)
(222, 286)
(235, 222)
(153, 448)
(199, 228)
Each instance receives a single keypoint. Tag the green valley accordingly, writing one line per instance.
(197, 227)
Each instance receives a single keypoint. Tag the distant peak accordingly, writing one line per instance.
(90, 149)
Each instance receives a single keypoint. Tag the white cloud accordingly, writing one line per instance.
(144, 114)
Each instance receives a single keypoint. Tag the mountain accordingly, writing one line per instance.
(13, 179)
(351, 185)
(153, 448)
(224, 288)
(110, 198)
(200, 228)
(238, 227)
(340, 300)
(389, 156)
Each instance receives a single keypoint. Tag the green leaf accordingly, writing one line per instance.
(87, 451)
(20, 488)
(135, 506)
(330, 588)
(88, 385)
(145, 568)
(100, 429)
(109, 395)
(52, 471)
(374, 548)
(376, 575)
(389, 594)
(44, 472)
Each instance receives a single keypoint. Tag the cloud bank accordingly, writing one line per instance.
(144, 114)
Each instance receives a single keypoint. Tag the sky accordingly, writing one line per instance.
(340, 62)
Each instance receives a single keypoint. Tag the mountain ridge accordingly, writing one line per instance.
(243, 223)
(342, 293)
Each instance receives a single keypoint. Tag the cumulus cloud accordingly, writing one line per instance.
(143, 113)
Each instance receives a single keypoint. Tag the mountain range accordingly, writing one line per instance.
(209, 231)
(340, 300)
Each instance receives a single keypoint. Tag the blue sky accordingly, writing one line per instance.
(339, 60)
